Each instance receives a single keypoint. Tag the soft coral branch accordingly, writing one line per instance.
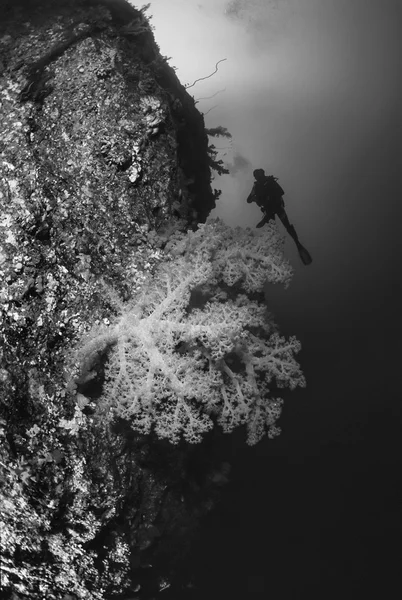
(178, 369)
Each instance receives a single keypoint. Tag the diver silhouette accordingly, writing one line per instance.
(268, 195)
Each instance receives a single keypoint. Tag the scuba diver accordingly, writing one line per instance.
(268, 195)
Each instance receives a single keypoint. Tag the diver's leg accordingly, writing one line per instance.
(262, 222)
(303, 253)
(267, 217)
(289, 228)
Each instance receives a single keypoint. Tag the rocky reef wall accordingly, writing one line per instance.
(102, 153)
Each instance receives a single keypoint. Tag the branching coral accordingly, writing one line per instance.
(179, 369)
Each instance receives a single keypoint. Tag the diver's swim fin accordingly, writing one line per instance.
(304, 254)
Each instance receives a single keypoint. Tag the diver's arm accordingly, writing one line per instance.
(251, 196)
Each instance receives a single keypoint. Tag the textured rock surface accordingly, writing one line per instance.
(101, 151)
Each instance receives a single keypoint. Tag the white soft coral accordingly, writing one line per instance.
(179, 370)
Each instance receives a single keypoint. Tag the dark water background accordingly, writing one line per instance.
(316, 513)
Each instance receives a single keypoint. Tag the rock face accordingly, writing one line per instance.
(102, 153)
